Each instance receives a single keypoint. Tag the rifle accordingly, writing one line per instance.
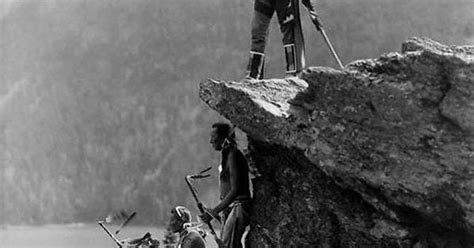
(319, 26)
(129, 218)
(117, 242)
(145, 241)
(200, 206)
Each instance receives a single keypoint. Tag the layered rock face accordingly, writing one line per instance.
(380, 154)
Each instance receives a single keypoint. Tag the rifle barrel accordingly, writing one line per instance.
(331, 48)
(199, 204)
(129, 218)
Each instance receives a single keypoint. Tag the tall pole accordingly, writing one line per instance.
(314, 18)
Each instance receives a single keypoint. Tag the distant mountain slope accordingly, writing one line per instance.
(98, 98)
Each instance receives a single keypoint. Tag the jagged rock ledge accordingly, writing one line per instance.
(380, 154)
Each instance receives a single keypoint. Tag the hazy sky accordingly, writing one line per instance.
(5, 6)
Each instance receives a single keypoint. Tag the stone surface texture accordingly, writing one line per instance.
(380, 154)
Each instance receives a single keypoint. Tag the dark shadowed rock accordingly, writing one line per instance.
(380, 154)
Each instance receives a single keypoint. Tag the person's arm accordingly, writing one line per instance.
(308, 4)
(235, 175)
(313, 14)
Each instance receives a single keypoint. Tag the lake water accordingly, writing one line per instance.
(73, 236)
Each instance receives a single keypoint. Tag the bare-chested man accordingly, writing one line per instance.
(234, 186)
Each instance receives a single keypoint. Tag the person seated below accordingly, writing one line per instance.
(190, 235)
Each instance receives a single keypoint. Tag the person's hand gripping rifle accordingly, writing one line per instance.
(202, 209)
(319, 26)
(313, 14)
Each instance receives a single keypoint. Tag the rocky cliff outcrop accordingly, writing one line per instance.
(380, 154)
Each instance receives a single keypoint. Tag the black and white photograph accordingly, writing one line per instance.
(237, 123)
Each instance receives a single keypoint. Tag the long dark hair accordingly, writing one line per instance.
(225, 130)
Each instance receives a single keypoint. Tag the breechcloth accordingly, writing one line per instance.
(290, 26)
(236, 218)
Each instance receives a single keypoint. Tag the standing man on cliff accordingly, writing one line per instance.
(234, 187)
(290, 26)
